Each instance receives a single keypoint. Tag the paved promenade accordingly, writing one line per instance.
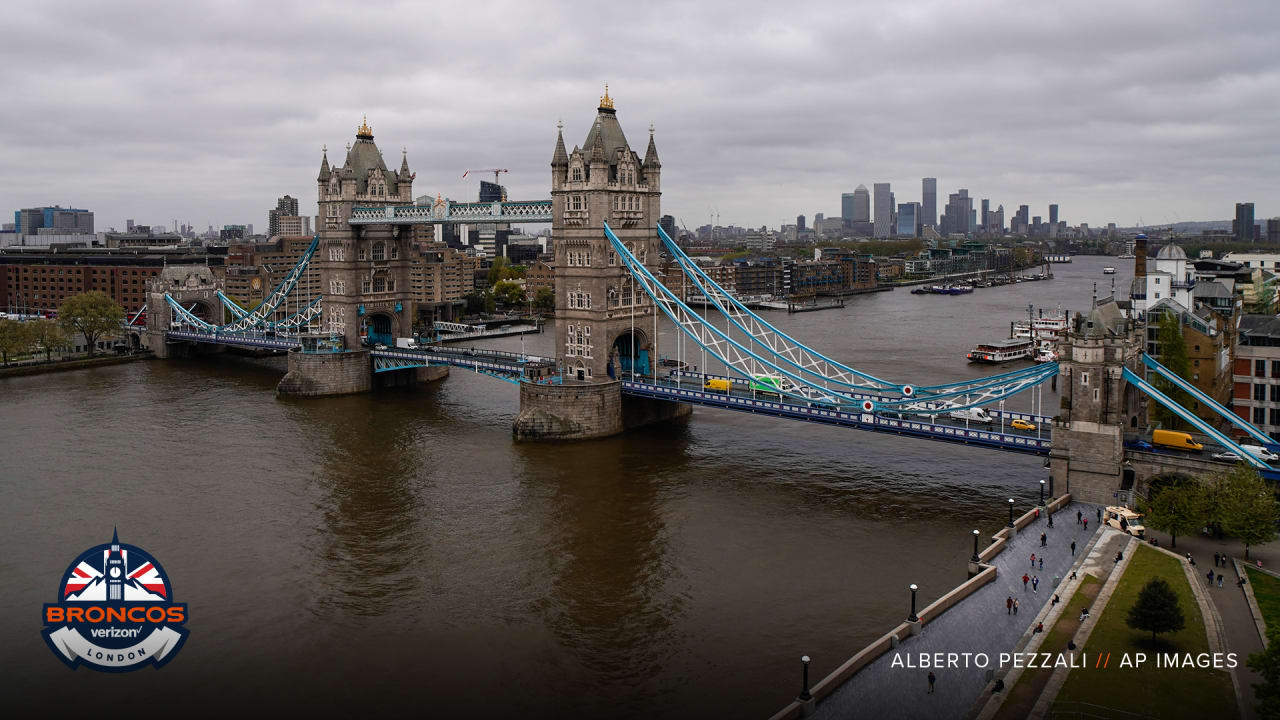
(1229, 600)
(978, 624)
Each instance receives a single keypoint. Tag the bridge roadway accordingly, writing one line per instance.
(682, 389)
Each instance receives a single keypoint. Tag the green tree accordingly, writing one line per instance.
(1178, 509)
(545, 299)
(1173, 355)
(15, 338)
(507, 293)
(1245, 506)
(1267, 664)
(1157, 609)
(496, 270)
(92, 314)
(49, 335)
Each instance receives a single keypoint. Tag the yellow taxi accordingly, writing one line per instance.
(1020, 424)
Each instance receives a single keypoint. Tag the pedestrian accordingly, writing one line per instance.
(1219, 579)
(1099, 515)
(1055, 600)
(1039, 627)
(1033, 560)
(1044, 539)
(1078, 516)
(1015, 606)
(1073, 548)
(1210, 576)
(1041, 562)
(1215, 559)
(1086, 524)
(1008, 605)
(1050, 519)
(932, 678)
(1025, 579)
(1037, 515)
(1035, 584)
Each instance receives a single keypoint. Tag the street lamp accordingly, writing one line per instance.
(1041, 492)
(975, 547)
(912, 617)
(804, 691)
(1010, 512)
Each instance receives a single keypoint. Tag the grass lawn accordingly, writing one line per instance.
(1266, 590)
(1147, 689)
(1024, 694)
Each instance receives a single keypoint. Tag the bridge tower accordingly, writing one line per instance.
(195, 288)
(364, 269)
(604, 321)
(1097, 408)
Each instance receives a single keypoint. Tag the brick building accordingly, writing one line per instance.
(31, 281)
(1255, 394)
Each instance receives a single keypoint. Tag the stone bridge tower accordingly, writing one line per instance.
(597, 304)
(364, 269)
(195, 288)
(1097, 408)
(604, 322)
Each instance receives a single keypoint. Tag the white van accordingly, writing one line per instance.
(1261, 453)
(974, 414)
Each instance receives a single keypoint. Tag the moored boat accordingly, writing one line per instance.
(1002, 350)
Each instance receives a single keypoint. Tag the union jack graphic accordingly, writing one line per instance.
(114, 579)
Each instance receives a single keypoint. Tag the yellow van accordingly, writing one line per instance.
(716, 384)
(1175, 440)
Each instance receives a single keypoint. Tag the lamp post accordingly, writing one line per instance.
(804, 691)
(912, 617)
(1010, 512)
(1042, 493)
(975, 547)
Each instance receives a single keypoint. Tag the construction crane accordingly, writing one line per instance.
(495, 172)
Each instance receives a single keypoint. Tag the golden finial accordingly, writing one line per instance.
(606, 102)
(364, 129)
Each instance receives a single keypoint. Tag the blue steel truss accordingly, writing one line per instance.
(1207, 401)
(793, 352)
(748, 363)
(1135, 380)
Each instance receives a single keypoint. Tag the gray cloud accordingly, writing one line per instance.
(207, 111)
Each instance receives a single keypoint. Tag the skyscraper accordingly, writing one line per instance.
(884, 211)
(958, 214)
(986, 212)
(929, 203)
(909, 219)
(996, 221)
(1243, 224)
(846, 207)
(1053, 214)
(800, 223)
(861, 204)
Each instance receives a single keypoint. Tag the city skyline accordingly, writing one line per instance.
(1160, 117)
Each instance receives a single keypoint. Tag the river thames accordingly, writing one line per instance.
(359, 554)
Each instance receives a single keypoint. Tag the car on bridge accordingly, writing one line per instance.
(1020, 424)
(1257, 451)
(1142, 445)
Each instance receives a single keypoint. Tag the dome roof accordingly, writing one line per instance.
(365, 156)
(1171, 252)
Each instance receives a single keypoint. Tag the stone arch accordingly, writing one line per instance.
(630, 353)
(380, 328)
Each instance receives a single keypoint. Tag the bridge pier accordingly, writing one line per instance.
(583, 411)
(329, 373)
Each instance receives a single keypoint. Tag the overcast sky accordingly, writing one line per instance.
(1159, 110)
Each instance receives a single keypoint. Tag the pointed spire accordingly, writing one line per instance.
(560, 158)
(404, 162)
(115, 539)
(597, 147)
(324, 164)
(651, 155)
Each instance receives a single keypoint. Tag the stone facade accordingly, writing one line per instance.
(189, 285)
(1097, 408)
(597, 304)
(583, 411)
(322, 374)
(364, 270)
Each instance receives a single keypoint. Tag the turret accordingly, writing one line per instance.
(652, 165)
(599, 166)
(559, 159)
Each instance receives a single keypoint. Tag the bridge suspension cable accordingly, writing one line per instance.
(804, 358)
(745, 361)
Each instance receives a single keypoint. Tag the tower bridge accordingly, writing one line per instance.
(609, 375)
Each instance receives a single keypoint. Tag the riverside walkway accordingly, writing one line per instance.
(977, 624)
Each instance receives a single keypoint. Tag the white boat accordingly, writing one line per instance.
(1002, 350)
(1108, 270)
(1126, 256)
